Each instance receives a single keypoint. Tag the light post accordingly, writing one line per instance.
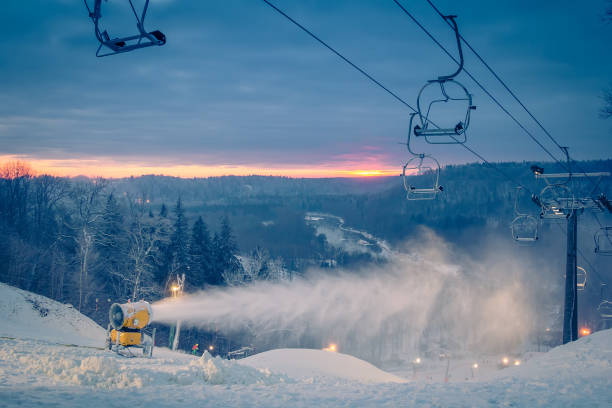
(177, 290)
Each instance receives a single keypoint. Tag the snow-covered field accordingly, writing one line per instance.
(49, 358)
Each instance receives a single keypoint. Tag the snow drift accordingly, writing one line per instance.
(318, 364)
(27, 315)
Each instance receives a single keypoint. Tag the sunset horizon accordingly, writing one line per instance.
(104, 168)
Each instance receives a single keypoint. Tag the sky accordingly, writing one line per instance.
(238, 89)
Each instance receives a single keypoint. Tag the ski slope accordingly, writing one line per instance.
(38, 367)
(26, 315)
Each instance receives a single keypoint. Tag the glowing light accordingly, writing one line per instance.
(417, 360)
(475, 365)
(175, 288)
(331, 347)
(372, 173)
(517, 362)
(548, 329)
(505, 361)
(585, 331)
(211, 347)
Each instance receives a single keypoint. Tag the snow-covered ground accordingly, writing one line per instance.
(49, 359)
(308, 365)
(25, 315)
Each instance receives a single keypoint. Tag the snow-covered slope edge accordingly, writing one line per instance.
(26, 315)
(307, 364)
(589, 356)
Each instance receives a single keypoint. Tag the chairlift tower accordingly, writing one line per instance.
(557, 201)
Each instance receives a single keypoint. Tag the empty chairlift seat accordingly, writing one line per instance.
(603, 241)
(115, 45)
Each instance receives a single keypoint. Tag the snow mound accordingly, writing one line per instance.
(27, 315)
(306, 364)
(588, 356)
(214, 370)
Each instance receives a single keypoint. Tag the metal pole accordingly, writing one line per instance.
(570, 314)
(177, 333)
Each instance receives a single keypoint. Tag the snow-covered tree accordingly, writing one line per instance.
(85, 196)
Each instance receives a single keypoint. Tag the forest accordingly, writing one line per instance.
(92, 242)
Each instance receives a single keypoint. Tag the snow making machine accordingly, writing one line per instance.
(127, 328)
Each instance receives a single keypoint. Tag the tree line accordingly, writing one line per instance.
(78, 241)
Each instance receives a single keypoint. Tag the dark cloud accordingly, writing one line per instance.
(237, 84)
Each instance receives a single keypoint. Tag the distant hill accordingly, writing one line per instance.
(262, 209)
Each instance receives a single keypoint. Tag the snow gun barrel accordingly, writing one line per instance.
(131, 315)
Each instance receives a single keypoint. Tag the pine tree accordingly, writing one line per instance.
(179, 247)
(201, 257)
(163, 212)
(226, 263)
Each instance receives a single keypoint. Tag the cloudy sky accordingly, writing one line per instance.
(238, 89)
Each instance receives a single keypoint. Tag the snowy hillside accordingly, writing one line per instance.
(29, 316)
(38, 367)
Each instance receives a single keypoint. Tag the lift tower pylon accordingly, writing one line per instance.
(558, 201)
(570, 309)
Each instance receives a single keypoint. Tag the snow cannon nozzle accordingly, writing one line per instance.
(133, 315)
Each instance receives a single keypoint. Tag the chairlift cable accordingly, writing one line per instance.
(398, 98)
(516, 98)
(87, 7)
(375, 81)
(417, 22)
(437, 10)
(345, 59)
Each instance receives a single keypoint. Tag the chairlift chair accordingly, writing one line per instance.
(603, 241)
(427, 167)
(525, 228)
(423, 165)
(553, 199)
(443, 135)
(427, 128)
(118, 45)
(605, 309)
(581, 278)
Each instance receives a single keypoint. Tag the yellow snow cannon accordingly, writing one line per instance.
(126, 328)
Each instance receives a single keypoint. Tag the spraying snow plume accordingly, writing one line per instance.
(418, 302)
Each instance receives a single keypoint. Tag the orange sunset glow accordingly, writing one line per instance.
(109, 168)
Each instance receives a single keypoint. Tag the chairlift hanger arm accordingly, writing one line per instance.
(452, 18)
